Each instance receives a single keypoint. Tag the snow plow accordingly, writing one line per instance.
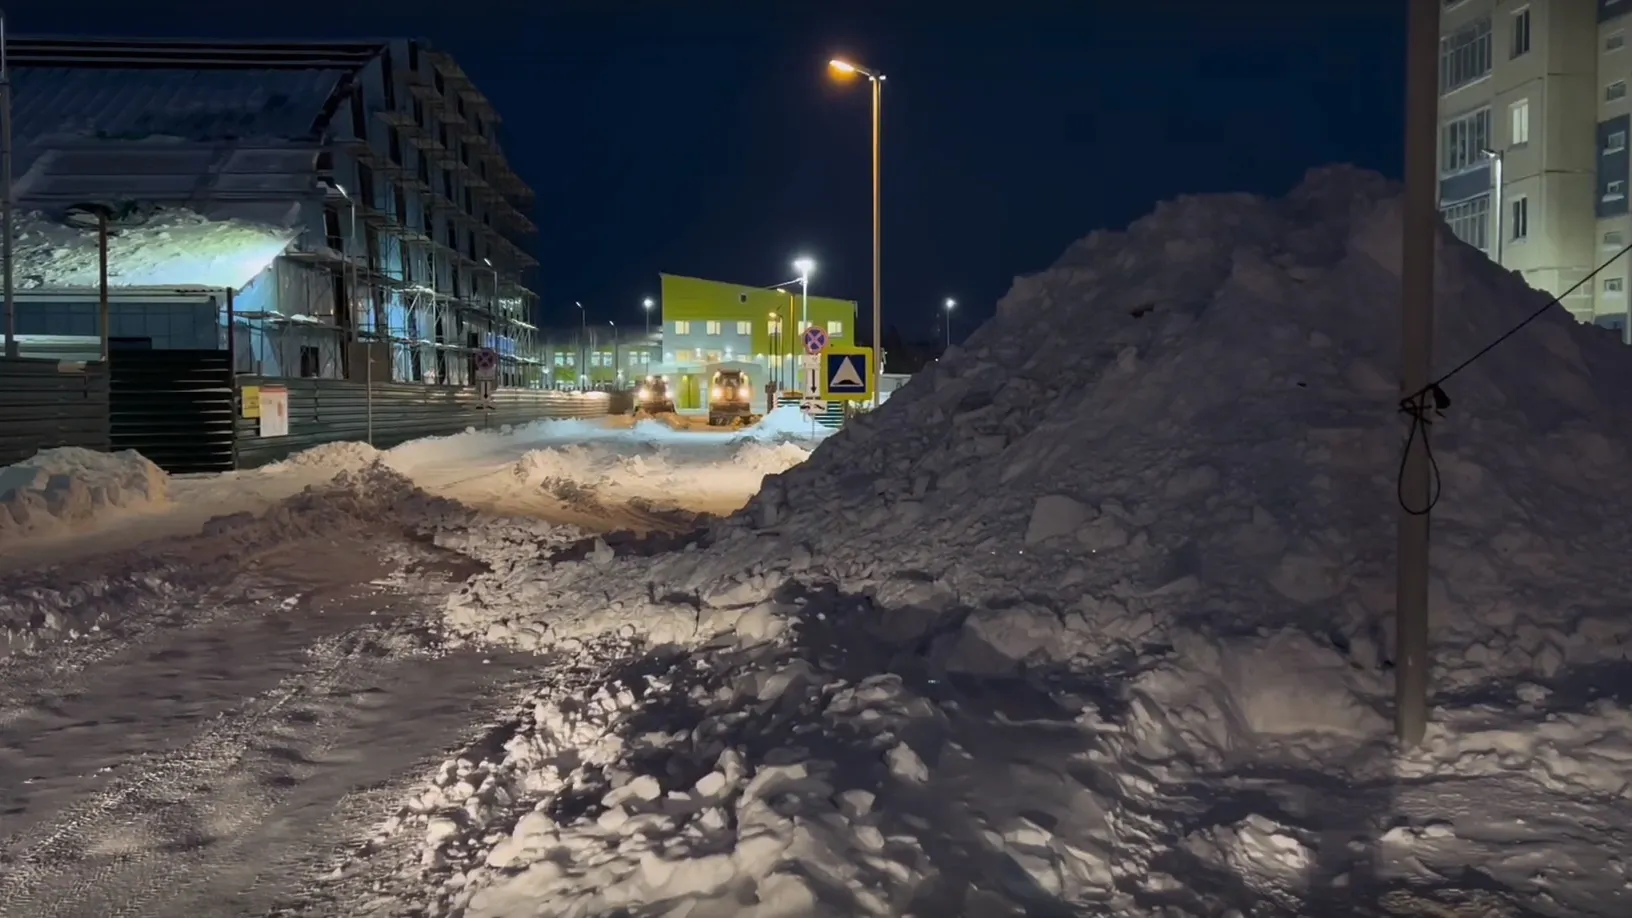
(730, 399)
(653, 398)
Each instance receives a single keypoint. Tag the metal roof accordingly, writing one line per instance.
(177, 122)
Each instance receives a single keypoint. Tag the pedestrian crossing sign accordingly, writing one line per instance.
(847, 374)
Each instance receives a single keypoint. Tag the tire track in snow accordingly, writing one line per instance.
(37, 861)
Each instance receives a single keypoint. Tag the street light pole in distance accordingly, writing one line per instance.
(950, 305)
(844, 67)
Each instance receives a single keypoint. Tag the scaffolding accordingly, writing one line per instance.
(428, 271)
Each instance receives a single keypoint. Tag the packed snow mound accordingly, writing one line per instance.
(160, 247)
(1196, 422)
(786, 424)
(341, 457)
(1159, 487)
(68, 488)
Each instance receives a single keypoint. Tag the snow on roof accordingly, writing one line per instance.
(173, 249)
(55, 103)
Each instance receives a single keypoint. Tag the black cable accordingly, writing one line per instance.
(1431, 401)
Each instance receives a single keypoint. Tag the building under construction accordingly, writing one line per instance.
(374, 169)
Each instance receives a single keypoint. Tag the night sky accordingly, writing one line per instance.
(714, 142)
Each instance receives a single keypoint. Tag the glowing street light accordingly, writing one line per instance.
(849, 68)
(647, 305)
(806, 267)
(950, 305)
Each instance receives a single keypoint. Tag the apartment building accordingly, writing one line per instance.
(1533, 159)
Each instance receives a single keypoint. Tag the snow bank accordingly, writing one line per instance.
(62, 490)
(786, 424)
(369, 509)
(1159, 487)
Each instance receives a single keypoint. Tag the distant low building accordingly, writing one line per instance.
(599, 356)
(350, 199)
(707, 322)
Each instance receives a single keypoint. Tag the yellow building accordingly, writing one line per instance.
(707, 322)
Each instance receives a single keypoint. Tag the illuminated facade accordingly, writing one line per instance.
(1533, 98)
(379, 158)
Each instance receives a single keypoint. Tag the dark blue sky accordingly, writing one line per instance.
(712, 141)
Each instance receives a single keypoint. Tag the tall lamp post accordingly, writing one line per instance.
(877, 79)
(950, 305)
(647, 305)
(617, 369)
(805, 267)
(1495, 158)
(583, 346)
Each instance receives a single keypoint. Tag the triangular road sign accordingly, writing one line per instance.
(846, 377)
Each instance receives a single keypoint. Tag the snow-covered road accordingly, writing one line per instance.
(213, 695)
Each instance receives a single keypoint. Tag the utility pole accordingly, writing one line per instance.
(6, 203)
(1418, 238)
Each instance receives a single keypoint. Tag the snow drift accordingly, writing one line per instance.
(1158, 491)
(61, 490)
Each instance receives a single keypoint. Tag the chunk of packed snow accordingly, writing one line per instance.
(60, 490)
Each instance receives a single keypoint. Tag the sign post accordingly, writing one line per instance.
(487, 376)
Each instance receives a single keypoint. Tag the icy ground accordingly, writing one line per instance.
(234, 675)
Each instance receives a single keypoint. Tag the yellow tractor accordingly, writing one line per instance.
(653, 397)
(730, 399)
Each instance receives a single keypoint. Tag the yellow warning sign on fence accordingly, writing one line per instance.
(252, 401)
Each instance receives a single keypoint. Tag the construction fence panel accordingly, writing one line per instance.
(336, 410)
(49, 403)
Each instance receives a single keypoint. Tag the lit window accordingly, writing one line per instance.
(711, 356)
(1520, 221)
(745, 328)
(835, 329)
(682, 356)
(713, 328)
(1519, 122)
(682, 328)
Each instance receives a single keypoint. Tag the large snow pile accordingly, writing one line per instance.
(1127, 559)
(157, 248)
(68, 488)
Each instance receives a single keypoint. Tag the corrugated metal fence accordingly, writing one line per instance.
(49, 403)
(331, 410)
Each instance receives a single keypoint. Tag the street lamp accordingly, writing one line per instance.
(877, 79)
(806, 267)
(950, 305)
(1495, 158)
(647, 305)
(617, 368)
(583, 345)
